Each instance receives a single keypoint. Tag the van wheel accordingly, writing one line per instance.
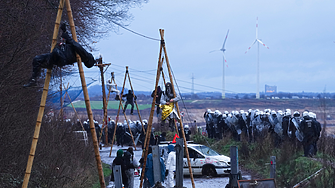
(209, 171)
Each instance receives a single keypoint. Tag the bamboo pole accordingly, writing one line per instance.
(148, 133)
(160, 63)
(163, 74)
(131, 134)
(177, 107)
(87, 100)
(138, 110)
(43, 101)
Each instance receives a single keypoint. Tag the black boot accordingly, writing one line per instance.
(31, 83)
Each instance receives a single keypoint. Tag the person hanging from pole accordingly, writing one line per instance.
(158, 98)
(130, 100)
(167, 104)
(113, 89)
(63, 54)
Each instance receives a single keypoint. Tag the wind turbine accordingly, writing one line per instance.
(224, 60)
(259, 42)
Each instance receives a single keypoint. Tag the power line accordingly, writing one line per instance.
(134, 31)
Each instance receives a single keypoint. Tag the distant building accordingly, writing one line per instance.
(270, 89)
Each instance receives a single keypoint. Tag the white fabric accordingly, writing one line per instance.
(171, 161)
(171, 167)
(170, 180)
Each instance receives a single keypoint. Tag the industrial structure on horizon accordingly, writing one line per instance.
(270, 89)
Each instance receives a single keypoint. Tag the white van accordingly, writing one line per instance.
(204, 160)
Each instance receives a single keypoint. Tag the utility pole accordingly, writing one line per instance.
(104, 103)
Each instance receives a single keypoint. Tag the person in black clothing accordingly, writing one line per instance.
(129, 167)
(310, 131)
(318, 130)
(187, 132)
(286, 124)
(120, 134)
(119, 160)
(130, 100)
(162, 137)
(63, 54)
(158, 98)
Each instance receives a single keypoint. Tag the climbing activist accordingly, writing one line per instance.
(63, 54)
(130, 100)
(167, 104)
(158, 98)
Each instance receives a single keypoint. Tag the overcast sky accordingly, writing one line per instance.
(300, 35)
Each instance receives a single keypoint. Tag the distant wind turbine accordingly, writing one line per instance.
(224, 60)
(259, 42)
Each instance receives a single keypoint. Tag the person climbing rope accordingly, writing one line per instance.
(63, 54)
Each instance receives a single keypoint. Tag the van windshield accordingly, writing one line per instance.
(206, 150)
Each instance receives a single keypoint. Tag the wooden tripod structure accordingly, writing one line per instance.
(124, 113)
(45, 93)
(147, 138)
(74, 109)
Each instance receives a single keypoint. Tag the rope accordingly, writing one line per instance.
(134, 31)
(188, 115)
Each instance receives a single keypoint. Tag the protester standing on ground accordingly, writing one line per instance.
(171, 166)
(120, 161)
(130, 164)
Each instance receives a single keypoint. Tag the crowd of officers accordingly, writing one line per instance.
(255, 125)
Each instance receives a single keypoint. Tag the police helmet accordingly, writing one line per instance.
(235, 113)
(273, 112)
(217, 112)
(288, 113)
(249, 110)
(186, 127)
(305, 114)
(224, 115)
(209, 111)
(241, 111)
(145, 121)
(229, 115)
(226, 112)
